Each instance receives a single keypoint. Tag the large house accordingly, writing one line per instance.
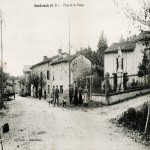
(132, 55)
(56, 70)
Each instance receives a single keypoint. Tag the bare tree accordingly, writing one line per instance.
(138, 11)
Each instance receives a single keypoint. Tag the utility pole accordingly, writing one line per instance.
(1, 100)
(69, 55)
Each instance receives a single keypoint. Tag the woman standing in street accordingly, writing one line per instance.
(80, 96)
(76, 96)
(85, 94)
(70, 93)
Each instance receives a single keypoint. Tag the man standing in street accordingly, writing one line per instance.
(56, 96)
(44, 94)
(40, 93)
(70, 93)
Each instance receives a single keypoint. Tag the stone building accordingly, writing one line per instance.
(56, 70)
(49, 68)
(132, 55)
(80, 67)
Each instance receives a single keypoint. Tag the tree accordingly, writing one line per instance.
(143, 67)
(131, 38)
(102, 46)
(139, 14)
(2, 85)
(35, 81)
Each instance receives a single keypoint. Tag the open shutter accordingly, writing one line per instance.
(122, 63)
(116, 64)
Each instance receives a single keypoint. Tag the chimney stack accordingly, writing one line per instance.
(59, 53)
(45, 57)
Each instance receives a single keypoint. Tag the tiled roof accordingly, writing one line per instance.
(67, 59)
(48, 60)
(61, 60)
(126, 46)
(76, 55)
(44, 61)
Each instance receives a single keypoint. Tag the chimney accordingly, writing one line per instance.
(45, 57)
(59, 53)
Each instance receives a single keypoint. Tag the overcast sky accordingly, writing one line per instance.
(31, 32)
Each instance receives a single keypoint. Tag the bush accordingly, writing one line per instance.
(135, 119)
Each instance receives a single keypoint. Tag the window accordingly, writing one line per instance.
(116, 64)
(122, 64)
(48, 75)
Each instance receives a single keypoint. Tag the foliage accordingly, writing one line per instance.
(148, 68)
(34, 79)
(102, 46)
(23, 81)
(96, 57)
(139, 14)
(131, 38)
(143, 70)
(135, 119)
(42, 80)
(88, 53)
(5, 76)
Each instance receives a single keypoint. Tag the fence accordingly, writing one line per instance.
(120, 83)
(128, 82)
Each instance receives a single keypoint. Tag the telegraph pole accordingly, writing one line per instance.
(1, 100)
(69, 55)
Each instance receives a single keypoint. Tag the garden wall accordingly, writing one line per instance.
(119, 96)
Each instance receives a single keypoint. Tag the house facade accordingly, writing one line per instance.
(53, 70)
(56, 71)
(80, 68)
(132, 55)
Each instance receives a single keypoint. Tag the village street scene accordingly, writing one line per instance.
(72, 77)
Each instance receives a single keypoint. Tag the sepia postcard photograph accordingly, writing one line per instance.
(74, 75)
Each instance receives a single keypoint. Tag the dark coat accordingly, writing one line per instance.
(57, 93)
(70, 92)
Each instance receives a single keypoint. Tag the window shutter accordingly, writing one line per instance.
(116, 63)
(122, 64)
(48, 75)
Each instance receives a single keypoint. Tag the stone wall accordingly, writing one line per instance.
(118, 97)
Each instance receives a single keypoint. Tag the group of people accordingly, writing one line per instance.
(76, 95)
(40, 94)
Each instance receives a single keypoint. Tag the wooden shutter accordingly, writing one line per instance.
(122, 63)
(116, 63)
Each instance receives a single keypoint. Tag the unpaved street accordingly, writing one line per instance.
(36, 126)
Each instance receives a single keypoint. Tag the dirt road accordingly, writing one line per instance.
(36, 126)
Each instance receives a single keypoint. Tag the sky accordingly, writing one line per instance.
(30, 32)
